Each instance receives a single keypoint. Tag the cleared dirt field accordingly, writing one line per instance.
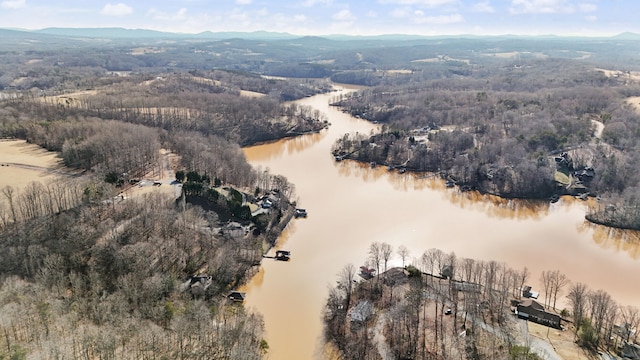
(630, 75)
(22, 163)
(561, 341)
(634, 101)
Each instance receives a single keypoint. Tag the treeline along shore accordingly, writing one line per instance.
(440, 306)
(534, 129)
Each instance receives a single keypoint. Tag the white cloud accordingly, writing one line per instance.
(244, 2)
(309, 3)
(483, 7)
(591, 18)
(400, 13)
(540, 7)
(240, 17)
(427, 3)
(13, 4)
(439, 19)
(179, 15)
(588, 7)
(299, 18)
(419, 17)
(118, 9)
(343, 15)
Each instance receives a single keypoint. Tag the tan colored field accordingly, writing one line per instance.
(253, 94)
(634, 101)
(160, 179)
(246, 93)
(631, 75)
(22, 163)
(68, 99)
(398, 71)
(513, 54)
(562, 341)
(147, 50)
(442, 58)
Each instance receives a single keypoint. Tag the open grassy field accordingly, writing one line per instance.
(22, 163)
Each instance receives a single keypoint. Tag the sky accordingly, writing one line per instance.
(325, 17)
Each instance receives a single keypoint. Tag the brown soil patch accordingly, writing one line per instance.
(69, 98)
(634, 101)
(147, 50)
(160, 179)
(630, 75)
(562, 341)
(252, 94)
(19, 151)
(24, 163)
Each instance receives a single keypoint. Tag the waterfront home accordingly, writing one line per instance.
(533, 311)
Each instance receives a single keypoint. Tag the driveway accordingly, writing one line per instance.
(538, 346)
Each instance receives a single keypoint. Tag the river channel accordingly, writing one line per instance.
(352, 205)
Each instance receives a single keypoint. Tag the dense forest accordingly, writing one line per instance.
(102, 275)
(445, 307)
(526, 129)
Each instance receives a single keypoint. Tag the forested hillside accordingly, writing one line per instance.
(101, 274)
(443, 306)
(525, 129)
(87, 272)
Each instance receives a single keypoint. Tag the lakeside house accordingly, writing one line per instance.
(466, 287)
(197, 284)
(630, 351)
(533, 311)
(366, 272)
(361, 312)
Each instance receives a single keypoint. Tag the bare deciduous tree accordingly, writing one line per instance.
(375, 255)
(386, 251)
(578, 294)
(558, 282)
(346, 281)
(545, 280)
(404, 254)
(631, 318)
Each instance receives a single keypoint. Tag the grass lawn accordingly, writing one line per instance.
(562, 177)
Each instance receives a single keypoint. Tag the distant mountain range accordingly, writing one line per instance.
(122, 33)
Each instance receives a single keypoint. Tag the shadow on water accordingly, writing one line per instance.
(287, 146)
(627, 241)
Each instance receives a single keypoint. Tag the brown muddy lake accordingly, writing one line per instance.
(352, 205)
